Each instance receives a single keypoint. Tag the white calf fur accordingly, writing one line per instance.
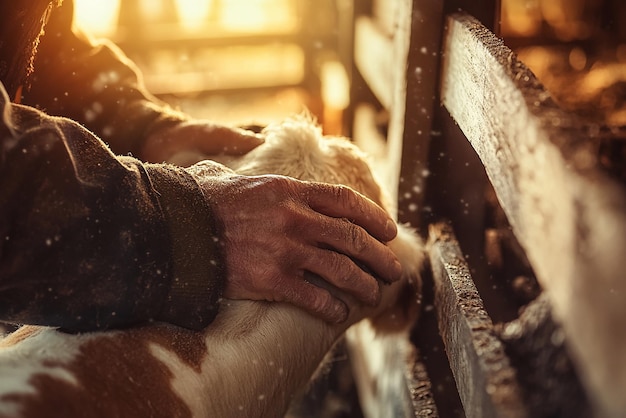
(249, 363)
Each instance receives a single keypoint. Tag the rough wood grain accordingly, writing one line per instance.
(567, 213)
(420, 387)
(387, 374)
(390, 380)
(417, 44)
(486, 381)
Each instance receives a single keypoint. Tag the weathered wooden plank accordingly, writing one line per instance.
(486, 381)
(567, 213)
(390, 380)
(373, 56)
(416, 59)
(420, 387)
(386, 14)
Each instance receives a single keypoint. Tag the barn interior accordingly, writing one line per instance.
(383, 73)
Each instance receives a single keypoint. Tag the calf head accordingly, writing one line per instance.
(297, 148)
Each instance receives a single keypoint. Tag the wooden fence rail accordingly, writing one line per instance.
(567, 213)
(564, 213)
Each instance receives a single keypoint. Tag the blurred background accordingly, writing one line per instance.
(243, 61)
(254, 61)
(577, 48)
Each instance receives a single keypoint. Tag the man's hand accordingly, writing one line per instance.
(198, 137)
(277, 228)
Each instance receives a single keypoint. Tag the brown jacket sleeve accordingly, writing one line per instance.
(89, 240)
(95, 84)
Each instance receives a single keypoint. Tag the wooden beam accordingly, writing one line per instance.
(486, 381)
(420, 387)
(373, 56)
(567, 213)
(416, 59)
(391, 380)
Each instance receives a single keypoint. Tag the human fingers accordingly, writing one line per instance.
(294, 289)
(313, 299)
(353, 241)
(343, 202)
(341, 272)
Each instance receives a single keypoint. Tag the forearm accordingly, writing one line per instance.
(95, 85)
(90, 240)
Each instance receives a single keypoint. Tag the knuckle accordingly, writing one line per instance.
(347, 274)
(286, 185)
(286, 215)
(358, 239)
(338, 263)
(275, 284)
(346, 196)
(361, 284)
(321, 302)
(281, 216)
(276, 188)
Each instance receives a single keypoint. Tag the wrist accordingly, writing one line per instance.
(198, 272)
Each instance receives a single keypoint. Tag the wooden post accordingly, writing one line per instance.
(567, 212)
(486, 381)
(414, 98)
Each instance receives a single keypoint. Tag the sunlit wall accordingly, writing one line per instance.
(100, 17)
(185, 48)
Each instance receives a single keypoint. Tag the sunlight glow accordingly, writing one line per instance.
(335, 85)
(97, 17)
(252, 15)
(100, 17)
(521, 18)
(151, 10)
(193, 14)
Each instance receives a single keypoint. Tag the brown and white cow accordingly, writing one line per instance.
(250, 362)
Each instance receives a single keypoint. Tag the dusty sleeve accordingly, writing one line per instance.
(89, 240)
(95, 84)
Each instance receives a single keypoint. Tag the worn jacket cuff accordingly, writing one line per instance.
(198, 272)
